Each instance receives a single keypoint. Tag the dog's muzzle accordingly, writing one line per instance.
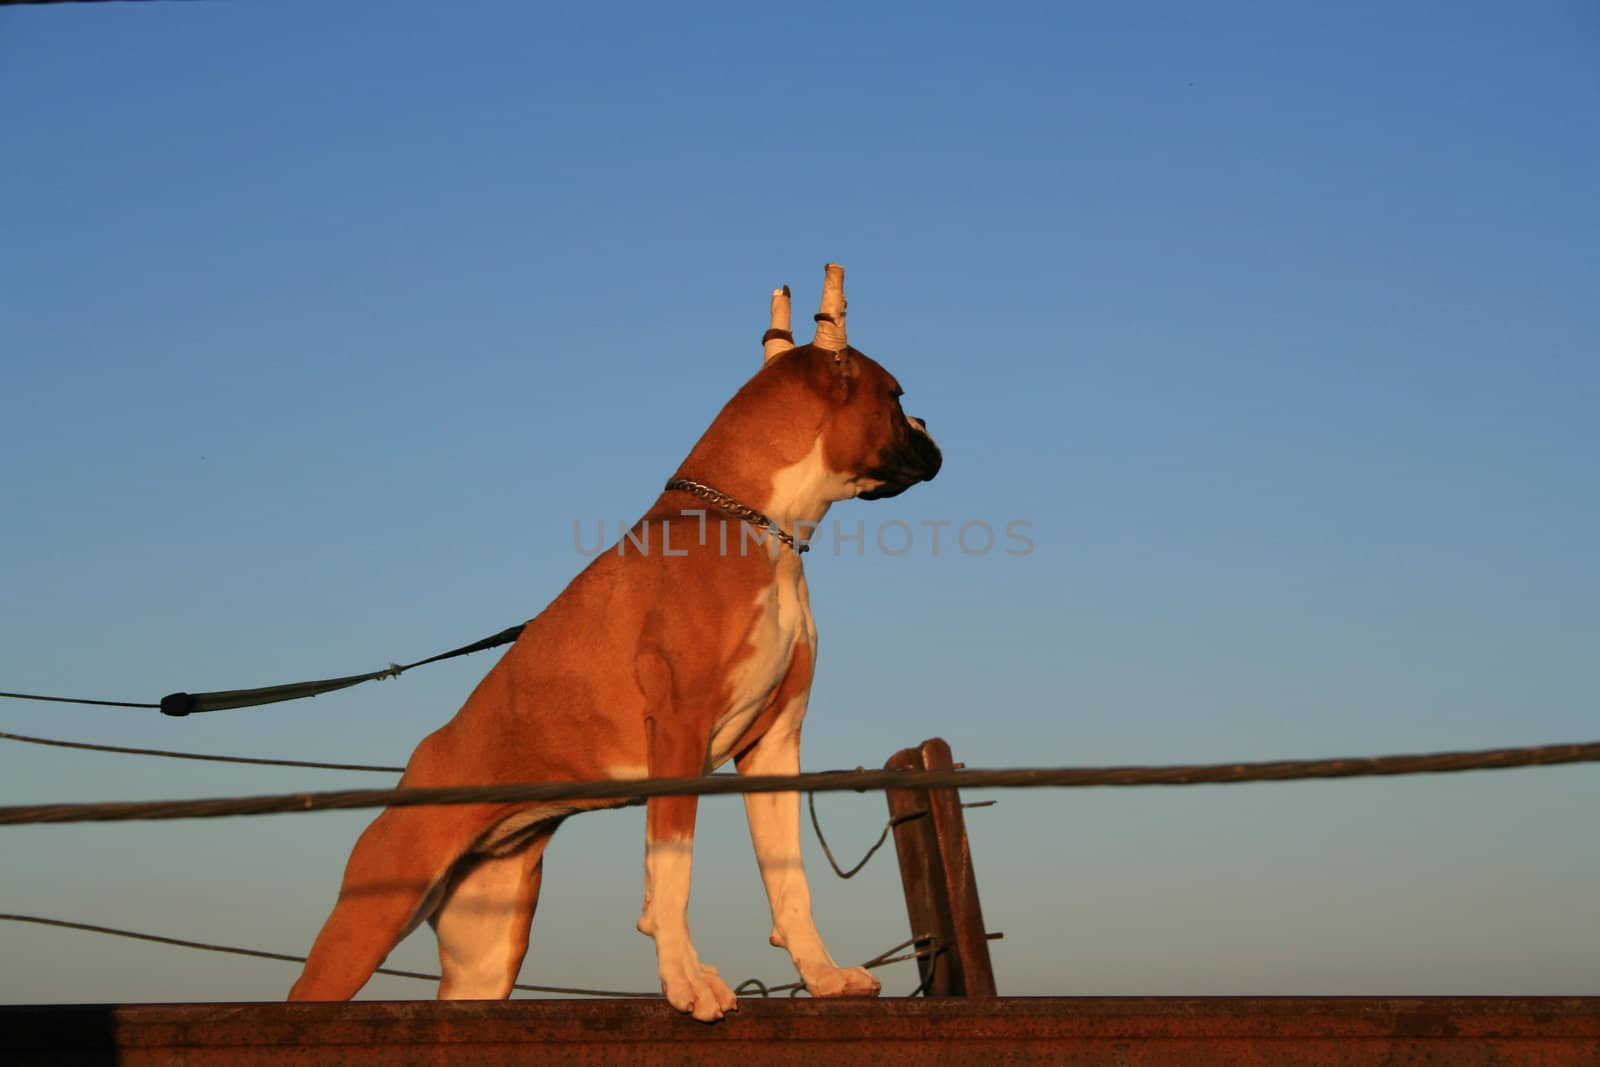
(911, 458)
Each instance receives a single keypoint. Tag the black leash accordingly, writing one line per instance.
(178, 704)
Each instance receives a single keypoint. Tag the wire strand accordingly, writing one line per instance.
(883, 959)
(932, 947)
(816, 827)
(285, 957)
(622, 792)
(76, 700)
(211, 758)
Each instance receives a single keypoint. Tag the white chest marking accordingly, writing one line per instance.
(802, 491)
(783, 622)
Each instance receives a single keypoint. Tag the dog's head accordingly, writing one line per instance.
(868, 440)
(819, 423)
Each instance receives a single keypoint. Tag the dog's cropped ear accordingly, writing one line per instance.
(830, 316)
(779, 338)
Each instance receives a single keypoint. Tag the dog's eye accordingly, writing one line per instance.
(898, 393)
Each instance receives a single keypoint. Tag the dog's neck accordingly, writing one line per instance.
(795, 497)
(794, 490)
(802, 492)
(767, 449)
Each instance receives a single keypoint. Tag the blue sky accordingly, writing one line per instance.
(320, 326)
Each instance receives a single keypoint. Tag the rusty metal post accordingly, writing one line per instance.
(918, 852)
(961, 882)
(936, 871)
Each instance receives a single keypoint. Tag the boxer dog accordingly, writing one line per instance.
(688, 644)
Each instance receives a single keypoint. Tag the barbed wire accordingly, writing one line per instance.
(125, 750)
(816, 827)
(928, 946)
(633, 791)
(752, 985)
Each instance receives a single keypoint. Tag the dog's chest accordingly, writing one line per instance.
(782, 622)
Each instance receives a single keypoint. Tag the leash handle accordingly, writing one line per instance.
(178, 705)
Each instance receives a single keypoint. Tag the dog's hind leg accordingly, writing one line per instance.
(483, 923)
(392, 882)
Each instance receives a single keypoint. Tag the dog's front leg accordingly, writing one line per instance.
(688, 984)
(775, 830)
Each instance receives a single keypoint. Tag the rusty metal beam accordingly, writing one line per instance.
(1122, 1031)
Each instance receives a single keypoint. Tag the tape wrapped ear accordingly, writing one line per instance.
(779, 338)
(830, 316)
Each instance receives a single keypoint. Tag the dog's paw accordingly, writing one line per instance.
(842, 982)
(697, 989)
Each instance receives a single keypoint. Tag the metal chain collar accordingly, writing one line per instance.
(739, 511)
